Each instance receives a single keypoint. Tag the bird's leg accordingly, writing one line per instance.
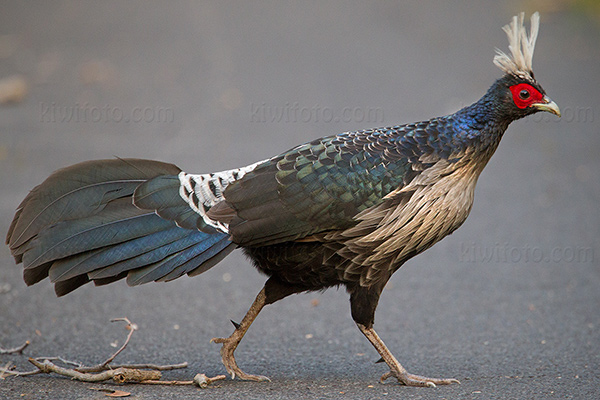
(231, 343)
(273, 291)
(363, 302)
(396, 369)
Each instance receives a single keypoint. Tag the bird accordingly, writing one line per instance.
(346, 210)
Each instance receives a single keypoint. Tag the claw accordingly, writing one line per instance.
(228, 358)
(417, 380)
(396, 369)
(230, 363)
(231, 343)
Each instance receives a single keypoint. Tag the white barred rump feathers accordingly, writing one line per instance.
(203, 191)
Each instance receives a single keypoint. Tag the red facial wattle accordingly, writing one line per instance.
(525, 95)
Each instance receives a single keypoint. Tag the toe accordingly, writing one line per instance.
(435, 381)
(255, 378)
(417, 380)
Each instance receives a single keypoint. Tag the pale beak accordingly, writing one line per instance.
(547, 105)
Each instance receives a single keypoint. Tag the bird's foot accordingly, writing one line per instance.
(228, 359)
(417, 380)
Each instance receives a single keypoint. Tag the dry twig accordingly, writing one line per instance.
(103, 366)
(120, 375)
(14, 350)
(133, 373)
(200, 380)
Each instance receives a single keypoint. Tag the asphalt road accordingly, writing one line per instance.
(509, 304)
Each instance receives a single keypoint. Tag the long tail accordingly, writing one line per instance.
(81, 225)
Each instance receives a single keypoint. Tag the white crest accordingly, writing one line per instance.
(520, 45)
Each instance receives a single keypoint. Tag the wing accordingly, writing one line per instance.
(316, 187)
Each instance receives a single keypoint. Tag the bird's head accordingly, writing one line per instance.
(519, 93)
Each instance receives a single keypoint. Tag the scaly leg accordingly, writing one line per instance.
(273, 291)
(231, 343)
(396, 369)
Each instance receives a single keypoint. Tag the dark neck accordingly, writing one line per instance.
(482, 123)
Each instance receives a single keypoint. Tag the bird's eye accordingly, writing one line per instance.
(524, 95)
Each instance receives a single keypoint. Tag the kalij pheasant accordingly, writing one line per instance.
(343, 210)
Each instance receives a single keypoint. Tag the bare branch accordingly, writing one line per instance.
(18, 350)
(200, 380)
(132, 373)
(119, 375)
(168, 383)
(168, 367)
(203, 381)
(101, 367)
(76, 364)
(7, 371)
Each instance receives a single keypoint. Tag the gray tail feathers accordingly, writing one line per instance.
(81, 225)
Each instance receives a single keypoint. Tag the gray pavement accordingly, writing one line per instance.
(509, 304)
